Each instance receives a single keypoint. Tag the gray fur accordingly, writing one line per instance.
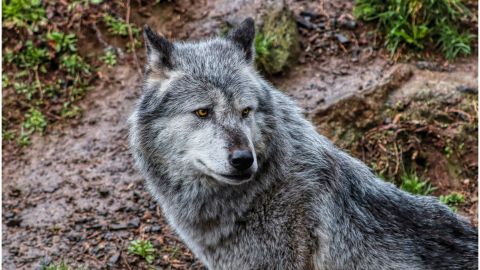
(308, 204)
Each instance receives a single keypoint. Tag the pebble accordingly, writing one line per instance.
(155, 229)
(305, 23)
(342, 38)
(114, 259)
(467, 89)
(116, 227)
(134, 223)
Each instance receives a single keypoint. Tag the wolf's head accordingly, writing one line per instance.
(203, 107)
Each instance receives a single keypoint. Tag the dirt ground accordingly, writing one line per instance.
(75, 194)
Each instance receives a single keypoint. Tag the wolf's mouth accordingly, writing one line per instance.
(237, 176)
(227, 178)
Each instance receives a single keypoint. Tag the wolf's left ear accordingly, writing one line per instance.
(159, 49)
(243, 35)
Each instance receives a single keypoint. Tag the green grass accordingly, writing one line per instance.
(420, 24)
(276, 42)
(34, 121)
(62, 41)
(109, 58)
(144, 249)
(119, 26)
(23, 13)
(453, 200)
(413, 184)
(43, 74)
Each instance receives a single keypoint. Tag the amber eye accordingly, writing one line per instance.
(202, 113)
(246, 112)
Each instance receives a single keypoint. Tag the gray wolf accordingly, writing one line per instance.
(248, 183)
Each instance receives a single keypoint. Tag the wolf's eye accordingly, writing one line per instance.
(246, 112)
(202, 113)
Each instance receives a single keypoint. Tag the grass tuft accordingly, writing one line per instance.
(142, 248)
(418, 23)
(453, 200)
(413, 184)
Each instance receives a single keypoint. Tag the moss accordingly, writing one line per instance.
(276, 42)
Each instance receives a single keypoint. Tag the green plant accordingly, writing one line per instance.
(24, 138)
(276, 42)
(413, 184)
(70, 111)
(119, 26)
(62, 41)
(142, 248)
(418, 23)
(453, 200)
(31, 57)
(454, 43)
(35, 121)
(25, 89)
(8, 135)
(5, 81)
(23, 13)
(109, 58)
(74, 64)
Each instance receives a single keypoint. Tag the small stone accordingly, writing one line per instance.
(155, 229)
(467, 89)
(114, 259)
(310, 14)
(304, 23)
(117, 227)
(134, 223)
(50, 189)
(342, 38)
(348, 24)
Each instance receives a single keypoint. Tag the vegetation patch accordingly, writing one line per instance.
(144, 249)
(421, 25)
(453, 200)
(277, 41)
(44, 73)
(413, 184)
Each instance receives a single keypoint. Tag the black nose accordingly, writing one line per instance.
(241, 159)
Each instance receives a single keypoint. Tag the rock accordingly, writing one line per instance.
(432, 66)
(134, 223)
(304, 23)
(155, 229)
(50, 189)
(342, 38)
(112, 261)
(310, 14)
(467, 89)
(348, 24)
(117, 227)
(277, 41)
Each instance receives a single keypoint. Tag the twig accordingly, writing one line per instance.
(126, 263)
(132, 41)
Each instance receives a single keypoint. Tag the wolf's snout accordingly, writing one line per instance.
(241, 159)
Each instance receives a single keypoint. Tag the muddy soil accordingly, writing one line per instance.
(75, 193)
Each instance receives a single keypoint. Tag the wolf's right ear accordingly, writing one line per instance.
(243, 36)
(159, 49)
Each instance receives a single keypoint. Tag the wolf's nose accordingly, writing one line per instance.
(241, 159)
